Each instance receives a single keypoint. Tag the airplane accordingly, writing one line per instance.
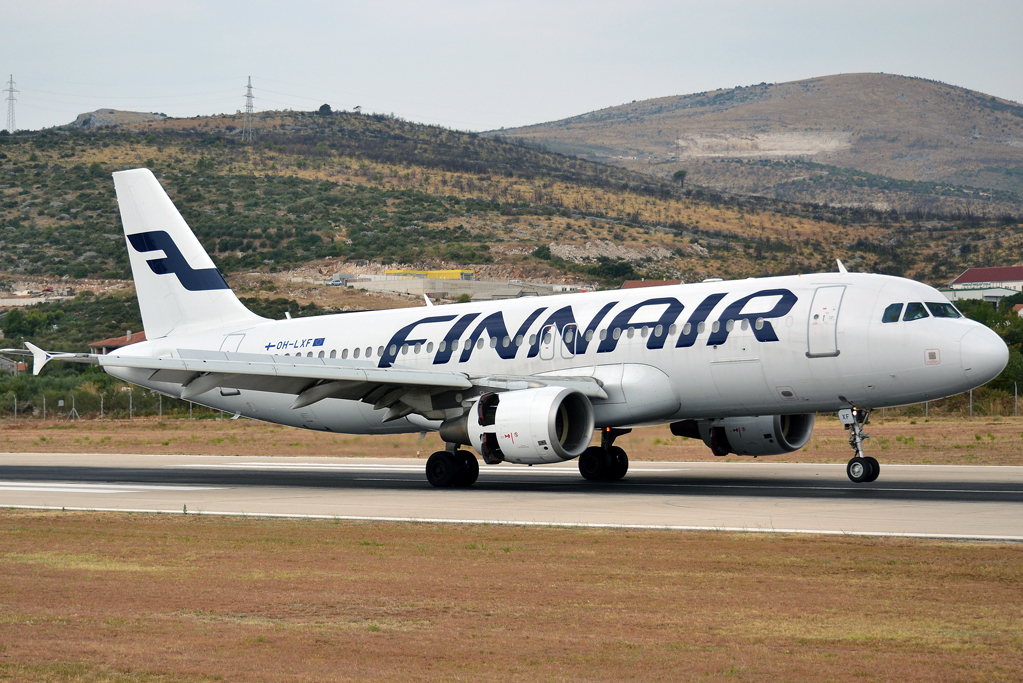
(743, 365)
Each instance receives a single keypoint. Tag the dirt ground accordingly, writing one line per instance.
(118, 597)
(952, 441)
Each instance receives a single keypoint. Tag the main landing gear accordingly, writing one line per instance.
(862, 468)
(605, 462)
(452, 468)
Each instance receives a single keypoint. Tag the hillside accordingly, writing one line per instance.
(917, 145)
(342, 192)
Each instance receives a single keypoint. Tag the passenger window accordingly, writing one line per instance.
(344, 354)
(356, 352)
(369, 352)
(943, 310)
(321, 354)
(429, 347)
(915, 311)
(333, 353)
(892, 313)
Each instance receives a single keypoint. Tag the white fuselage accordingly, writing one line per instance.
(799, 344)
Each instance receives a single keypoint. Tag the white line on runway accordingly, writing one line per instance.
(395, 468)
(570, 525)
(70, 487)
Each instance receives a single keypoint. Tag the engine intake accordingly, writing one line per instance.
(528, 426)
(761, 435)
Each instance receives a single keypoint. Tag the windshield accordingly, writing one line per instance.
(915, 311)
(891, 314)
(943, 310)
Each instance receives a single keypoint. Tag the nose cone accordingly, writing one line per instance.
(984, 355)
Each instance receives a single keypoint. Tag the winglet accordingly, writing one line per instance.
(841, 266)
(39, 357)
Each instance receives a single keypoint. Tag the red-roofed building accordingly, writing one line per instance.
(1009, 277)
(105, 346)
(1018, 310)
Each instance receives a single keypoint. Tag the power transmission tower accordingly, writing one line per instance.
(10, 104)
(247, 134)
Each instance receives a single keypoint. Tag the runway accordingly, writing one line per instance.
(907, 500)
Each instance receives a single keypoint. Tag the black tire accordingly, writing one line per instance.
(859, 470)
(619, 463)
(594, 464)
(875, 468)
(469, 471)
(442, 469)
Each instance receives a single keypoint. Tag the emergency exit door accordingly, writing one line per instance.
(822, 328)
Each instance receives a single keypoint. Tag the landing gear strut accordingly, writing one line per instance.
(452, 468)
(862, 468)
(605, 462)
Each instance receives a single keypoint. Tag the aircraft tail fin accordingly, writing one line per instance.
(179, 289)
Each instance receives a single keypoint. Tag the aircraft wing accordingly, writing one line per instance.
(402, 391)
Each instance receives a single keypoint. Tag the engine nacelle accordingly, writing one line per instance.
(762, 435)
(528, 426)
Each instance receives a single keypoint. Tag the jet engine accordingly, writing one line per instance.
(762, 435)
(528, 426)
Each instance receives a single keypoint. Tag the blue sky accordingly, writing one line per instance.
(480, 64)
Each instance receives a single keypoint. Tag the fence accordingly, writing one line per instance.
(84, 404)
(138, 402)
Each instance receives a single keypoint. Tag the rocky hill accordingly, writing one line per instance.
(346, 192)
(873, 139)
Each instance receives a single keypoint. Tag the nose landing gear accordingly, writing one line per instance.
(862, 468)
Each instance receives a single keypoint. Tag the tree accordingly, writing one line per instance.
(325, 109)
(15, 324)
(680, 177)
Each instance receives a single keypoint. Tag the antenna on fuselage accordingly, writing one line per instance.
(841, 267)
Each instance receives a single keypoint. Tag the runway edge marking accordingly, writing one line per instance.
(567, 525)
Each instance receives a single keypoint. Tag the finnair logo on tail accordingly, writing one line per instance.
(193, 280)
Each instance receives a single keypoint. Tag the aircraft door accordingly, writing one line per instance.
(822, 327)
(569, 333)
(548, 337)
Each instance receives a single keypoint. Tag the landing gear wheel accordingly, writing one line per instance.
(860, 470)
(469, 471)
(594, 464)
(442, 469)
(875, 468)
(619, 463)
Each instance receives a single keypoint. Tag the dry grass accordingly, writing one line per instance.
(89, 597)
(945, 441)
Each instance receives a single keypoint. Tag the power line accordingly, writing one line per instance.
(10, 104)
(247, 135)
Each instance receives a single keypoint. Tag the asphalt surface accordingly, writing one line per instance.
(906, 500)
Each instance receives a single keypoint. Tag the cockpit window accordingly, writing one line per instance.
(943, 310)
(914, 311)
(891, 314)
